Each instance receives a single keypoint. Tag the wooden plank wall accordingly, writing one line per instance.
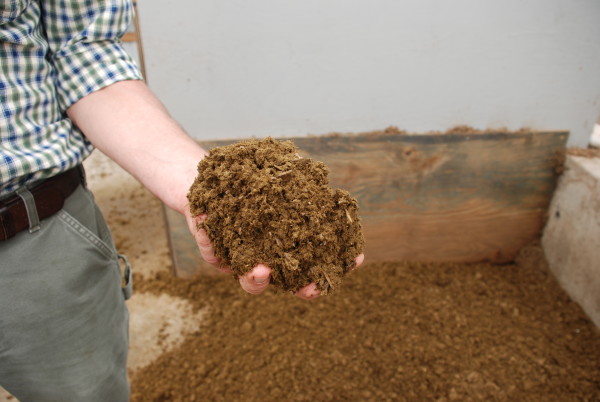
(430, 197)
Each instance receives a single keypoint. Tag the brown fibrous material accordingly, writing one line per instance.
(266, 205)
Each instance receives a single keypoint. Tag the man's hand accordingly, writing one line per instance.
(143, 138)
(256, 280)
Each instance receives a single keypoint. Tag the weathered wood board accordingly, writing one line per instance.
(429, 197)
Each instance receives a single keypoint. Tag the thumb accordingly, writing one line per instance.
(256, 280)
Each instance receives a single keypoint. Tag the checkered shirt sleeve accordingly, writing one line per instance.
(53, 53)
(84, 39)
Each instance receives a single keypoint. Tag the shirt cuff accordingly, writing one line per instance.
(89, 67)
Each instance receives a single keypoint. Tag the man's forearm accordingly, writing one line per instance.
(130, 125)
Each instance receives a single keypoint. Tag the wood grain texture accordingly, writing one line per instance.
(430, 197)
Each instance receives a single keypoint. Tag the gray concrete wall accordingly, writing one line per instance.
(571, 238)
(239, 68)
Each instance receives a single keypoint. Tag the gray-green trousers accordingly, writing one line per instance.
(63, 319)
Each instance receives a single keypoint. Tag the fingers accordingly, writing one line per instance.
(256, 280)
(203, 242)
(309, 292)
(359, 260)
(207, 252)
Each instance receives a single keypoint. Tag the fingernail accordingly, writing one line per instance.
(260, 281)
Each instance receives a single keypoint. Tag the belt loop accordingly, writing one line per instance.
(30, 207)
(83, 175)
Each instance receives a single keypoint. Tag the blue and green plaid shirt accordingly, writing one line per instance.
(53, 53)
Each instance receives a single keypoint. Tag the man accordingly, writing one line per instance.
(67, 87)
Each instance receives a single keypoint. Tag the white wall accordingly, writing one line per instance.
(238, 68)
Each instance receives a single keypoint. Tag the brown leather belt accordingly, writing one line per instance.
(49, 196)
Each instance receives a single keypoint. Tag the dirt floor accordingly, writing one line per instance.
(394, 331)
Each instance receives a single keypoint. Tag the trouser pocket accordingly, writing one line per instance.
(63, 318)
(83, 216)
